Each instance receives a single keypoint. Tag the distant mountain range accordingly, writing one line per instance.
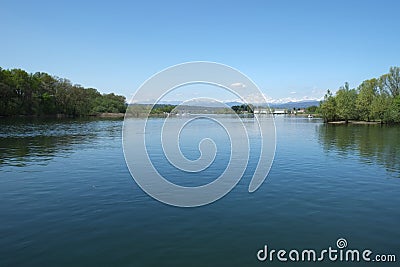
(296, 104)
(287, 105)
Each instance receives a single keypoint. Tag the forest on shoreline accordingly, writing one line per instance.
(41, 94)
(376, 99)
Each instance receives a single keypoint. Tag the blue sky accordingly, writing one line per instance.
(290, 49)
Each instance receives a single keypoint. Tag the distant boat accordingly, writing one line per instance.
(310, 116)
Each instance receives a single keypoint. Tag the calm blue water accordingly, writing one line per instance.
(67, 197)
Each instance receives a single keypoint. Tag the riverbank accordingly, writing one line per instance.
(110, 115)
(355, 122)
(99, 115)
(305, 115)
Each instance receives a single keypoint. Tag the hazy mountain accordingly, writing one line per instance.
(296, 104)
(169, 103)
(287, 105)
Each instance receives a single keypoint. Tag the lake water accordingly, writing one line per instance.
(67, 197)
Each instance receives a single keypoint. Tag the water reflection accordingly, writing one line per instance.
(373, 143)
(24, 141)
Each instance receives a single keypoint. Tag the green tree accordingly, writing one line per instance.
(328, 107)
(22, 93)
(312, 109)
(62, 96)
(243, 108)
(46, 93)
(346, 103)
(161, 109)
(391, 81)
(366, 93)
(109, 103)
(7, 94)
(380, 107)
(393, 113)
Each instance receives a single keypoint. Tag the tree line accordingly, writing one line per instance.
(160, 109)
(376, 99)
(39, 94)
(244, 108)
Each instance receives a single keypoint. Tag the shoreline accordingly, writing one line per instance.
(110, 115)
(356, 122)
(122, 115)
(63, 116)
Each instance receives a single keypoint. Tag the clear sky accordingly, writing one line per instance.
(291, 49)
